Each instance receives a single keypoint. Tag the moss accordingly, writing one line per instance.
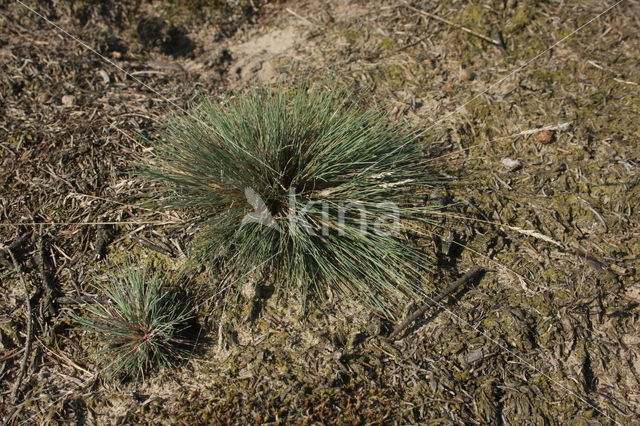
(352, 35)
(597, 150)
(479, 109)
(473, 16)
(525, 13)
(561, 33)
(635, 104)
(18, 139)
(195, 8)
(282, 62)
(461, 376)
(545, 77)
(130, 252)
(528, 33)
(9, 330)
(552, 275)
(393, 75)
(197, 5)
(386, 44)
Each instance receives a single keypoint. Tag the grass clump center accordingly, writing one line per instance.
(312, 187)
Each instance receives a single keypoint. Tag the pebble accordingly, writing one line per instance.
(42, 97)
(105, 77)
(68, 100)
(475, 356)
(630, 339)
(447, 87)
(466, 75)
(511, 164)
(545, 136)
(248, 290)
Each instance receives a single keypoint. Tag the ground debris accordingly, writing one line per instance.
(549, 337)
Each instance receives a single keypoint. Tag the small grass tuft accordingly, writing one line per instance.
(139, 322)
(295, 183)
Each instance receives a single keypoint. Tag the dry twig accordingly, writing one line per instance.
(302, 18)
(29, 339)
(559, 126)
(46, 280)
(469, 276)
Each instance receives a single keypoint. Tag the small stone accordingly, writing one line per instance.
(42, 98)
(511, 164)
(447, 87)
(466, 75)
(248, 290)
(105, 77)
(475, 356)
(545, 136)
(630, 339)
(68, 100)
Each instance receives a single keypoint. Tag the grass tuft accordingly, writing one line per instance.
(139, 323)
(309, 167)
